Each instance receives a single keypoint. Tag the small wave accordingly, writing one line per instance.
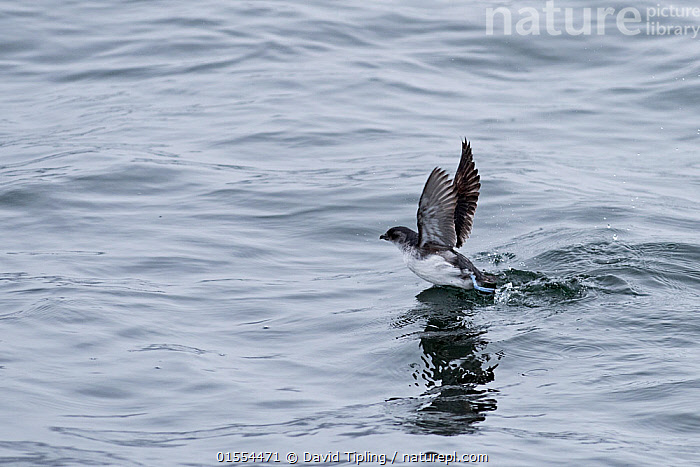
(171, 348)
(534, 289)
(628, 269)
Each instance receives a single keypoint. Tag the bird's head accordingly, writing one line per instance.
(401, 236)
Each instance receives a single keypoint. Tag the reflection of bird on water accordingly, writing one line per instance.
(456, 367)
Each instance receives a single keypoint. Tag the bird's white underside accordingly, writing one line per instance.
(435, 269)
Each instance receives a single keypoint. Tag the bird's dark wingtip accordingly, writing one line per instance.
(466, 146)
(466, 151)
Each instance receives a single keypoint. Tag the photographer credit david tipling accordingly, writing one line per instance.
(660, 20)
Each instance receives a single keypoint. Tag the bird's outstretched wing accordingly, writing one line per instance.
(466, 187)
(436, 211)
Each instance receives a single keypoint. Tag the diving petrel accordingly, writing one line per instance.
(445, 214)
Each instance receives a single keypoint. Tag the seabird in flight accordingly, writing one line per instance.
(445, 215)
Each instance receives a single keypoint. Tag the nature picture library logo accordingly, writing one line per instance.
(659, 20)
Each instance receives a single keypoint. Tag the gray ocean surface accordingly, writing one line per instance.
(191, 195)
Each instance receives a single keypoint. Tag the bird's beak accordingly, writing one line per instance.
(383, 237)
